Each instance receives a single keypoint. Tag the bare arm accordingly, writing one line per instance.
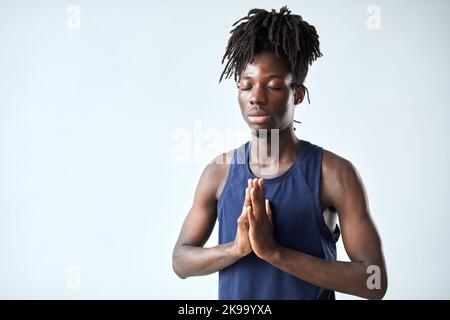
(190, 258)
(344, 190)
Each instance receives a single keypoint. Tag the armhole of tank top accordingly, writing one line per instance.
(227, 182)
(323, 227)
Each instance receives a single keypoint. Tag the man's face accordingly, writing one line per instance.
(266, 96)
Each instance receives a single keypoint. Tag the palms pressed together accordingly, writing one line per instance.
(255, 224)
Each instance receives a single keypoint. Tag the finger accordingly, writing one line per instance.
(269, 211)
(243, 212)
(239, 221)
(247, 200)
(259, 193)
(245, 220)
(250, 183)
(255, 203)
(250, 215)
(261, 186)
(255, 183)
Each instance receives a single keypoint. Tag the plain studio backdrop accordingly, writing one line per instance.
(109, 111)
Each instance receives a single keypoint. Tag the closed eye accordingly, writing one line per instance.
(244, 88)
(247, 88)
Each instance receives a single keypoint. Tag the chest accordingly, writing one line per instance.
(269, 172)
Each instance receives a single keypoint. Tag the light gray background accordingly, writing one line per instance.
(89, 124)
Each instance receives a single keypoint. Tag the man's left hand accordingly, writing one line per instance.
(260, 221)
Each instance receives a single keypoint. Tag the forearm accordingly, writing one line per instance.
(346, 277)
(197, 261)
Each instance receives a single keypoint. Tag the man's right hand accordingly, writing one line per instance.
(242, 245)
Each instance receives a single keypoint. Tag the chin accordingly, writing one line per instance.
(257, 127)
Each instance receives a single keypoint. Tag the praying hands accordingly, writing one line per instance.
(255, 224)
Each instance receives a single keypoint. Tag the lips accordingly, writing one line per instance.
(259, 119)
(258, 114)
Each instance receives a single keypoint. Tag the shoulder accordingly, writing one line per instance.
(335, 166)
(339, 176)
(216, 171)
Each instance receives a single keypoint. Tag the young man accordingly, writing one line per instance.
(278, 198)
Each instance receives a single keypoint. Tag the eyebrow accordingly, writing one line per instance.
(270, 76)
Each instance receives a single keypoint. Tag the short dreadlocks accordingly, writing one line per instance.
(281, 33)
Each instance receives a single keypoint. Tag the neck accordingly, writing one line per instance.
(271, 147)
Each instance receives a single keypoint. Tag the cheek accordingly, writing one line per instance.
(243, 101)
(283, 103)
(242, 104)
(242, 97)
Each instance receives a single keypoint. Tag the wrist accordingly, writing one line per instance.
(235, 250)
(273, 255)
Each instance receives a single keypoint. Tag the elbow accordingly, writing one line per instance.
(177, 266)
(377, 292)
(178, 271)
(374, 282)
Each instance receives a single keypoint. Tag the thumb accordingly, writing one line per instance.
(250, 216)
(269, 210)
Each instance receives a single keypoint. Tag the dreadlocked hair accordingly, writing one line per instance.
(281, 33)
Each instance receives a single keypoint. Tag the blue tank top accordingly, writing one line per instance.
(298, 224)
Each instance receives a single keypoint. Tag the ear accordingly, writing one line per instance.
(299, 94)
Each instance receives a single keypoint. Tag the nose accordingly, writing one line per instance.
(258, 96)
